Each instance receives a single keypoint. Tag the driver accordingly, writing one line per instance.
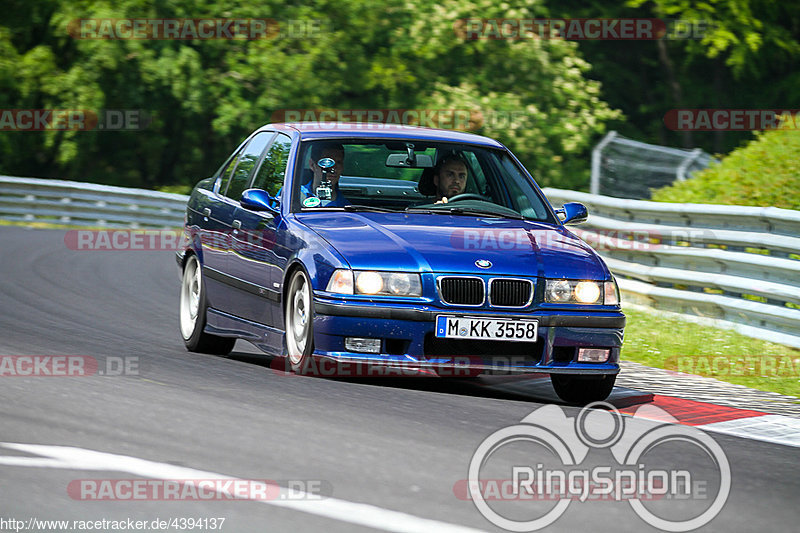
(450, 177)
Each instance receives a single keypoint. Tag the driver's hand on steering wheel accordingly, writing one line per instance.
(442, 201)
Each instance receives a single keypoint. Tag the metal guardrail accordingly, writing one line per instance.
(730, 265)
(733, 266)
(88, 204)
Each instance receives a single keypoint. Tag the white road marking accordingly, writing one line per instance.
(768, 428)
(361, 514)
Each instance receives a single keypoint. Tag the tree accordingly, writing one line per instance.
(741, 54)
(203, 96)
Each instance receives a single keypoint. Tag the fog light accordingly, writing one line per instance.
(593, 355)
(358, 344)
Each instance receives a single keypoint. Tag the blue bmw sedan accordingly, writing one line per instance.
(344, 247)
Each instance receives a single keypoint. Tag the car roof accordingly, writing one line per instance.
(367, 130)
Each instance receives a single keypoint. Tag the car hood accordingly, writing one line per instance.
(452, 243)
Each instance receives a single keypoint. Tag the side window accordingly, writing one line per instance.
(523, 199)
(273, 169)
(226, 170)
(477, 180)
(248, 159)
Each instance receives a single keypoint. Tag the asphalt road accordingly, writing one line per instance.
(397, 446)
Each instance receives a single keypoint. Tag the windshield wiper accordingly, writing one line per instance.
(481, 213)
(360, 207)
(463, 211)
(425, 210)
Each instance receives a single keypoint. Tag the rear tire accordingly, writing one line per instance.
(193, 307)
(299, 322)
(582, 390)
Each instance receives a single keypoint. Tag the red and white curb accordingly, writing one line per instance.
(708, 416)
(750, 424)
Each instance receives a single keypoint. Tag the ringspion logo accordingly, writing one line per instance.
(543, 459)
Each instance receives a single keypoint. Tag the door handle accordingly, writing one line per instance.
(207, 212)
(237, 224)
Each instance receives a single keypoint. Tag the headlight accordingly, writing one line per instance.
(587, 292)
(369, 283)
(558, 290)
(581, 292)
(375, 283)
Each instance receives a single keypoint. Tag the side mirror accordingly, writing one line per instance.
(259, 200)
(573, 213)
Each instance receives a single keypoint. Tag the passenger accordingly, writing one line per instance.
(309, 190)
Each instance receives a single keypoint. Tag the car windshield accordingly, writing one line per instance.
(415, 176)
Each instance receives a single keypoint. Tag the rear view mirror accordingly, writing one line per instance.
(403, 161)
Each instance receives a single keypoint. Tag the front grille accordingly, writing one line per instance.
(461, 290)
(510, 292)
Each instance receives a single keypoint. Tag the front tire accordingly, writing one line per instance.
(299, 321)
(193, 308)
(582, 390)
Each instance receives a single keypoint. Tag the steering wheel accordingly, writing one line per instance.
(466, 196)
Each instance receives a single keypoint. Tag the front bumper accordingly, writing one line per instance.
(408, 340)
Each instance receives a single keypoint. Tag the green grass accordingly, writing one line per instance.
(175, 189)
(42, 225)
(675, 344)
(39, 224)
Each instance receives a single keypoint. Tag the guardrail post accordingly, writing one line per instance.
(597, 154)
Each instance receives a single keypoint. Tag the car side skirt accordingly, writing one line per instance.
(265, 338)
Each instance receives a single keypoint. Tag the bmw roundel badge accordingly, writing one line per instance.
(483, 263)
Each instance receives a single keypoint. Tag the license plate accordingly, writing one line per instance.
(498, 329)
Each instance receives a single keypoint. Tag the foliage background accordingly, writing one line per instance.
(765, 172)
(204, 97)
